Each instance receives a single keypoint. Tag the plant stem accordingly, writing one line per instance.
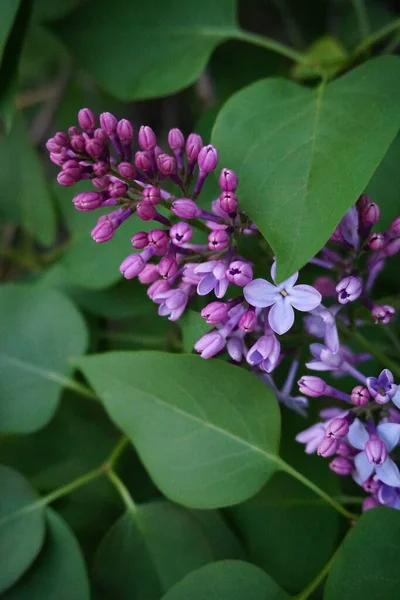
(269, 44)
(72, 486)
(308, 590)
(122, 491)
(376, 37)
(362, 17)
(80, 388)
(117, 452)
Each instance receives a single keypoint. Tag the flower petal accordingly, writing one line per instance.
(220, 287)
(364, 468)
(390, 434)
(389, 473)
(205, 267)
(304, 297)
(288, 283)
(318, 365)
(281, 316)
(396, 397)
(260, 293)
(332, 338)
(357, 435)
(387, 495)
(206, 284)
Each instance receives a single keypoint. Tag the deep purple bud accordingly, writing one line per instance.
(108, 123)
(376, 241)
(61, 139)
(207, 159)
(103, 231)
(152, 195)
(210, 344)
(101, 168)
(159, 239)
(147, 138)
(158, 287)
(369, 503)
(194, 144)
(95, 148)
(143, 161)
(349, 289)
(218, 239)
(66, 179)
(215, 312)
(166, 164)
(248, 321)
(71, 173)
(394, 229)
(383, 314)
(157, 151)
(344, 449)
(101, 183)
(125, 169)
(341, 465)
(87, 201)
(145, 211)
(176, 140)
(149, 274)
(73, 131)
(117, 189)
(124, 130)
(180, 233)
(240, 273)
(184, 208)
(228, 181)
(313, 386)
(325, 286)
(328, 447)
(140, 240)
(132, 266)
(360, 396)
(337, 428)
(363, 202)
(370, 214)
(167, 267)
(59, 158)
(371, 485)
(52, 146)
(228, 202)
(375, 450)
(392, 247)
(100, 136)
(78, 143)
(86, 119)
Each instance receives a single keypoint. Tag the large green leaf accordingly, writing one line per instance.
(148, 551)
(367, 565)
(304, 156)
(8, 11)
(227, 580)
(41, 330)
(21, 531)
(152, 49)
(207, 431)
(59, 571)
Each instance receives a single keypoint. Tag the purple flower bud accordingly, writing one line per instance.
(101, 183)
(376, 241)
(103, 231)
(344, 449)
(240, 273)
(52, 146)
(228, 181)
(375, 450)
(140, 240)
(184, 208)
(383, 314)
(145, 211)
(147, 138)
(95, 148)
(360, 396)
(71, 173)
(87, 201)
(125, 130)
(325, 286)
(236, 348)
(176, 140)
(125, 169)
(369, 503)
(166, 164)
(108, 123)
(157, 151)
(181, 233)
(86, 119)
(159, 239)
(149, 274)
(100, 136)
(215, 312)
(362, 202)
(194, 144)
(228, 202)
(338, 428)
(382, 388)
(158, 287)
(207, 159)
(101, 168)
(218, 239)
(117, 189)
(341, 465)
(248, 321)
(371, 485)
(152, 195)
(394, 229)
(143, 161)
(314, 387)
(370, 214)
(132, 266)
(349, 289)
(328, 447)
(167, 267)
(78, 143)
(392, 247)
(73, 131)
(61, 139)
(210, 344)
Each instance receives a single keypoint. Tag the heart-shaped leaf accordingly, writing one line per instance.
(304, 156)
(207, 432)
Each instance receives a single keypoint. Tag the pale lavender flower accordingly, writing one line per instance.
(172, 303)
(322, 323)
(382, 389)
(264, 353)
(312, 437)
(214, 278)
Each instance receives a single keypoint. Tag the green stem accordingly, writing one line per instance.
(376, 37)
(362, 17)
(269, 44)
(72, 486)
(117, 452)
(308, 590)
(122, 491)
(80, 388)
(317, 490)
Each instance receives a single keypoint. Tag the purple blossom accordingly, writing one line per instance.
(322, 323)
(382, 389)
(349, 289)
(210, 344)
(264, 353)
(213, 277)
(172, 303)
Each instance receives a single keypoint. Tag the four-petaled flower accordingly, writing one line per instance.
(382, 388)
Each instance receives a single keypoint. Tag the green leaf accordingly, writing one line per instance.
(207, 431)
(59, 571)
(21, 531)
(304, 156)
(366, 566)
(326, 55)
(148, 551)
(151, 50)
(41, 332)
(8, 12)
(24, 196)
(193, 328)
(227, 580)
